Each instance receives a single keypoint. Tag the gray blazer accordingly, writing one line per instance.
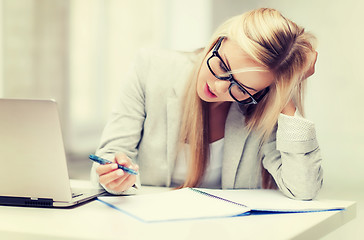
(145, 125)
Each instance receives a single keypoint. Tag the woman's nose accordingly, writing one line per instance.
(221, 86)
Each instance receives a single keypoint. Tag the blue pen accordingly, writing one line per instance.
(104, 161)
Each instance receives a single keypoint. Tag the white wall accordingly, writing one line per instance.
(188, 24)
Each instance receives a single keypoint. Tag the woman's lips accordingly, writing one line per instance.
(208, 92)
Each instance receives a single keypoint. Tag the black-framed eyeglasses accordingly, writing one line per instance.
(221, 71)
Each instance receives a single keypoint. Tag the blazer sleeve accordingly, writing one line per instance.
(124, 129)
(293, 158)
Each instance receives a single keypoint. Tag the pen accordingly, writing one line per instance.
(104, 161)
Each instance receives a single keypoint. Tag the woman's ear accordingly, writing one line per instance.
(311, 69)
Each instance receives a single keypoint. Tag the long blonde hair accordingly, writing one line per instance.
(272, 41)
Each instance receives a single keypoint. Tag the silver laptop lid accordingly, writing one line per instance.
(32, 157)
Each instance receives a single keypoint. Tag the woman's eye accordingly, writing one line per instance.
(242, 91)
(222, 67)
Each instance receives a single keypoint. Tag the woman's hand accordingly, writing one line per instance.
(311, 69)
(114, 178)
(290, 108)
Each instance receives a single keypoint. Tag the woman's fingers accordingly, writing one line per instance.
(123, 183)
(122, 159)
(111, 176)
(103, 169)
(311, 69)
(116, 179)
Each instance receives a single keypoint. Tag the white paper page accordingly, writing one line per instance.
(274, 200)
(174, 205)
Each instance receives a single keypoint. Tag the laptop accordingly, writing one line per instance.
(33, 165)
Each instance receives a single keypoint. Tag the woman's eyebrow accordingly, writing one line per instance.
(227, 63)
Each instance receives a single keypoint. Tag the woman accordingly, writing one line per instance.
(225, 117)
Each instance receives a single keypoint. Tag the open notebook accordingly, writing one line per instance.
(197, 203)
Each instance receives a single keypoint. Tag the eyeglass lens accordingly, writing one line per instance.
(221, 72)
(218, 68)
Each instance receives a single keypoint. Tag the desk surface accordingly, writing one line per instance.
(95, 220)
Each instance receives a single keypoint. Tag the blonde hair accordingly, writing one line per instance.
(272, 41)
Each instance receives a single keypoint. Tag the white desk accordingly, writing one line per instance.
(95, 220)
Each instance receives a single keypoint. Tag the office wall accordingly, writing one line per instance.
(34, 50)
(104, 38)
(188, 24)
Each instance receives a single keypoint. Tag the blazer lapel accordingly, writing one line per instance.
(235, 137)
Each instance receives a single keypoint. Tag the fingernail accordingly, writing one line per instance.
(120, 172)
(114, 166)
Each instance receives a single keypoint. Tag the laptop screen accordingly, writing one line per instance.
(33, 162)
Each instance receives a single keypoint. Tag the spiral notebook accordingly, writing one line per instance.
(197, 203)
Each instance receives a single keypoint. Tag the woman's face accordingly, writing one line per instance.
(212, 89)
